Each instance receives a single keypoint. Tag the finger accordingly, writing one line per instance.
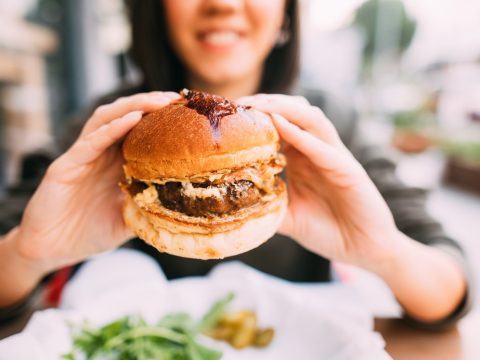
(170, 94)
(281, 97)
(307, 117)
(145, 102)
(127, 232)
(317, 151)
(301, 113)
(266, 103)
(300, 99)
(288, 223)
(91, 147)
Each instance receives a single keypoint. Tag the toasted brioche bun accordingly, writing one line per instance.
(178, 142)
(191, 240)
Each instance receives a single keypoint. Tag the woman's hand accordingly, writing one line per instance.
(334, 208)
(336, 211)
(76, 210)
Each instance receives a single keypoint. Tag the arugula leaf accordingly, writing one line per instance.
(180, 321)
(131, 338)
(197, 351)
(215, 313)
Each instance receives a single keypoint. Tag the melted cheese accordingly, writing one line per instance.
(261, 174)
(147, 196)
(210, 191)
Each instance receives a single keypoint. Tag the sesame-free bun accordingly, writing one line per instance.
(202, 178)
(192, 240)
(178, 142)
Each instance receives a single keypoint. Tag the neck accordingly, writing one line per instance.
(229, 89)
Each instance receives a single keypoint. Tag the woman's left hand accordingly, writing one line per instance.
(334, 209)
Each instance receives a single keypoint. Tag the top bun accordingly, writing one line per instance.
(198, 135)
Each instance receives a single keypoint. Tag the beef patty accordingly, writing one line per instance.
(232, 197)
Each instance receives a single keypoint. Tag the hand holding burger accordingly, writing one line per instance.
(334, 209)
(76, 210)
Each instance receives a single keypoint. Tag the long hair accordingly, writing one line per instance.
(162, 69)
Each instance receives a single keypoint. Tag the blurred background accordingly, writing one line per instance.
(410, 68)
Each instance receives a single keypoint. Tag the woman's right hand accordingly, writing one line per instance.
(76, 210)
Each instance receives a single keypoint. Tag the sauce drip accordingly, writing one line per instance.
(214, 107)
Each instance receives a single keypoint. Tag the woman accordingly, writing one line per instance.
(237, 48)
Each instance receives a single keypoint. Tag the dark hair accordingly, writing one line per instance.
(163, 70)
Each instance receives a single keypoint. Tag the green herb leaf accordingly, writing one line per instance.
(215, 313)
(131, 338)
(181, 321)
(197, 351)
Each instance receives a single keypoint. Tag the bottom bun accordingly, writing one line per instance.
(247, 236)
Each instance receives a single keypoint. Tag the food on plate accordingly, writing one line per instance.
(240, 330)
(175, 336)
(202, 177)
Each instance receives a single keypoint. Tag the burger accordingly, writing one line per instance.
(202, 178)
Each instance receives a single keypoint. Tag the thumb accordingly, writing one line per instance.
(287, 225)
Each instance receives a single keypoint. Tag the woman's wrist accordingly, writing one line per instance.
(20, 274)
(427, 282)
(378, 256)
(386, 260)
(36, 265)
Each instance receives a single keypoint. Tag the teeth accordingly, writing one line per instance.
(221, 37)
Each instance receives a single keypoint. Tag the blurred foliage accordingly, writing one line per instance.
(467, 151)
(367, 19)
(412, 119)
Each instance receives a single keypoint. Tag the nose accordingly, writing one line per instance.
(221, 7)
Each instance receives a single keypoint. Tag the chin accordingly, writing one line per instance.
(227, 69)
(202, 178)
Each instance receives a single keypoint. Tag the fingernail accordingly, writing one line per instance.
(160, 98)
(256, 103)
(134, 115)
(172, 95)
(259, 103)
(244, 100)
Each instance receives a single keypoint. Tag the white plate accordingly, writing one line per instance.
(310, 321)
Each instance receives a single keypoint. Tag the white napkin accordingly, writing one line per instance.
(312, 321)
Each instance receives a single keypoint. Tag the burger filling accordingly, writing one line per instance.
(214, 196)
(216, 200)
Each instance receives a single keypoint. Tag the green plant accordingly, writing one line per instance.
(412, 119)
(367, 19)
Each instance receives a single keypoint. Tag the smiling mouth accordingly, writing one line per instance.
(220, 38)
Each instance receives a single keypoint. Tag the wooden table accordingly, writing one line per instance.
(403, 342)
